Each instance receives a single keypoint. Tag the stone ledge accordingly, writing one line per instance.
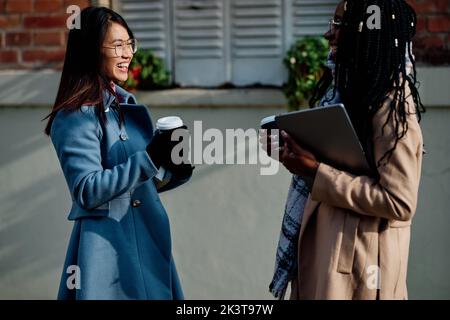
(25, 88)
(213, 98)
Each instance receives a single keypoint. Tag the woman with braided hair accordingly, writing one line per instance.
(354, 230)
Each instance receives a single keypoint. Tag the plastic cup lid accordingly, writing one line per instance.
(267, 120)
(168, 123)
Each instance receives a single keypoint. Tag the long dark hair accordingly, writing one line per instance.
(83, 79)
(371, 66)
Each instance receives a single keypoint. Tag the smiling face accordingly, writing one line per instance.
(332, 35)
(116, 67)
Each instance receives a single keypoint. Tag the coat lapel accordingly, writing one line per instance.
(310, 207)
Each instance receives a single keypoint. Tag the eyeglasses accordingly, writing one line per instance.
(131, 45)
(333, 25)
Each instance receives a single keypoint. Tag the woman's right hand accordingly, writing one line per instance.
(296, 159)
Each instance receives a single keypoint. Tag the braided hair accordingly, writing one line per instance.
(371, 67)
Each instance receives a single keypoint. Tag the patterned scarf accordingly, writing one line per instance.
(286, 256)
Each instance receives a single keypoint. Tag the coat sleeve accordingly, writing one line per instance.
(394, 196)
(76, 137)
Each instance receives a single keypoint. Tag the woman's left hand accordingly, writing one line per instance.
(296, 159)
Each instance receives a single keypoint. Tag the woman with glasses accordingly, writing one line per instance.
(120, 247)
(348, 234)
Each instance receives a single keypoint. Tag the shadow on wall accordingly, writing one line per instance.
(31, 209)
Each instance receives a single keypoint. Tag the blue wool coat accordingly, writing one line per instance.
(120, 247)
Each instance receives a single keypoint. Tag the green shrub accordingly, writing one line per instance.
(147, 72)
(305, 61)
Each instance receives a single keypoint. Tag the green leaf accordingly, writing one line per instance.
(310, 54)
(153, 74)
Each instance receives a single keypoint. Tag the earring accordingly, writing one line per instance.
(361, 24)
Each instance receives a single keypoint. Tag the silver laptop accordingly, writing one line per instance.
(328, 133)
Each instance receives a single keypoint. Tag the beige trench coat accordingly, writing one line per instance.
(355, 232)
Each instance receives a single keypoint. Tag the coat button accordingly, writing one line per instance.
(123, 136)
(136, 203)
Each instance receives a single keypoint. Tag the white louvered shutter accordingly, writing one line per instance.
(208, 43)
(150, 22)
(256, 42)
(310, 17)
(199, 42)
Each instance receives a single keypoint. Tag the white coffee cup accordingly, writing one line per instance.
(169, 123)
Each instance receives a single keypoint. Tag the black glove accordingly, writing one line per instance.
(181, 171)
(160, 150)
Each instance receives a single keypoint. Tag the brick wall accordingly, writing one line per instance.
(33, 32)
(432, 43)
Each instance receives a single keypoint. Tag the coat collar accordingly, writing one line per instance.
(123, 95)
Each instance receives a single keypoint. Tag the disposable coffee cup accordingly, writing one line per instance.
(166, 126)
(269, 123)
(164, 129)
